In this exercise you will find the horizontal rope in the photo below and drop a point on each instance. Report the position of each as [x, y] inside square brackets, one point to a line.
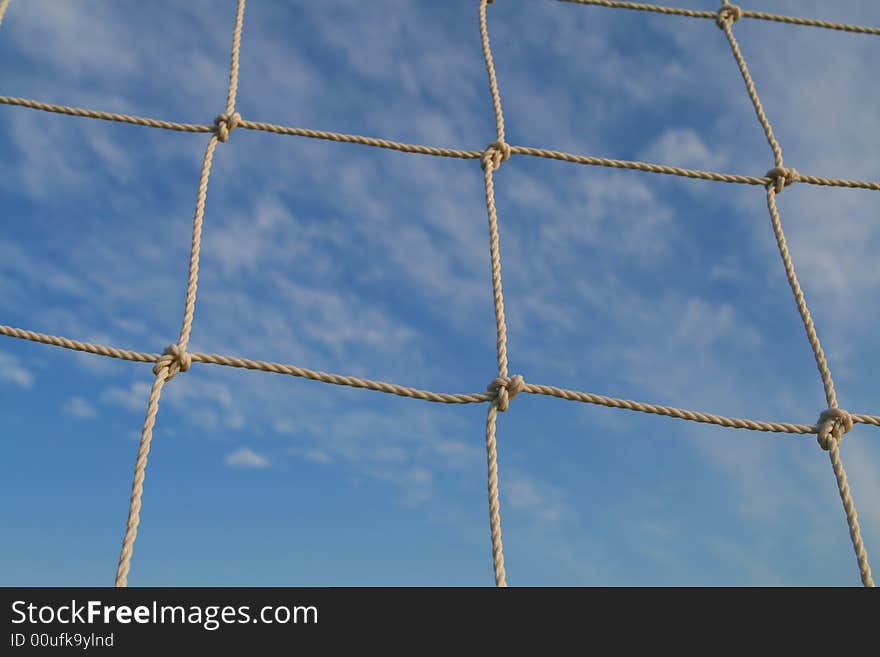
[641, 6]
[358, 139]
[684, 414]
[435, 150]
[246, 363]
[250, 125]
[427, 395]
[669, 411]
[866, 419]
[810, 22]
[105, 116]
[76, 345]
[746, 13]
[686, 173]
[837, 182]
[639, 166]
[338, 379]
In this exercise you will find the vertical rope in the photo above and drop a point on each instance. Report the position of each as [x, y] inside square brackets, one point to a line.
[176, 358]
[494, 498]
[780, 177]
[137, 486]
[230, 120]
[490, 69]
[234, 56]
[497, 152]
[495, 256]
[492, 413]
[195, 249]
[3, 5]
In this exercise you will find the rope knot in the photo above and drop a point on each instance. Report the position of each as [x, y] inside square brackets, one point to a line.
[495, 153]
[225, 124]
[728, 13]
[173, 360]
[782, 177]
[833, 424]
[505, 389]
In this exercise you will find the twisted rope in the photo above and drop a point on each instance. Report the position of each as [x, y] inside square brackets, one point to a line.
[427, 395]
[800, 300]
[362, 140]
[727, 15]
[496, 153]
[175, 358]
[222, 128]
[137, 485]
[852, 517]
[833, 422]
[743, 13]
[104, 116]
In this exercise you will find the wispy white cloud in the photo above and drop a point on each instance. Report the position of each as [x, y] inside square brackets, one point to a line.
[415, 484]
[245, 457]
[132, 398]
[541, 500]
[12, 371]
[80, 408]
[318, 456]
[683, 147]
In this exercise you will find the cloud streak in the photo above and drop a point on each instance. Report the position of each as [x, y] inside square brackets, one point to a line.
[246, 458]
[12, 372]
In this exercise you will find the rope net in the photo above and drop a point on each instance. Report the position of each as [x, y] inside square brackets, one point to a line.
[833, 423]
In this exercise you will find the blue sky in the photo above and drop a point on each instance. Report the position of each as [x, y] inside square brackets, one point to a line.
[374, 263]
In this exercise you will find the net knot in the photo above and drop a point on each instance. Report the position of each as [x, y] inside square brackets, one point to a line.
[832, 425]
[225, 124]
[505, 389]
[495, 153]
[173, 361]
[728, 13]
[781, 177]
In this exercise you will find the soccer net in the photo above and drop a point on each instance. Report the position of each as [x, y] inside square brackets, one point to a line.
[833, 422]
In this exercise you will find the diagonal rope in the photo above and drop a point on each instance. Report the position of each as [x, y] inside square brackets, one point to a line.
[852, 518]
[846, 498]
[727, 15]
[750, 87]
[800, 300]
